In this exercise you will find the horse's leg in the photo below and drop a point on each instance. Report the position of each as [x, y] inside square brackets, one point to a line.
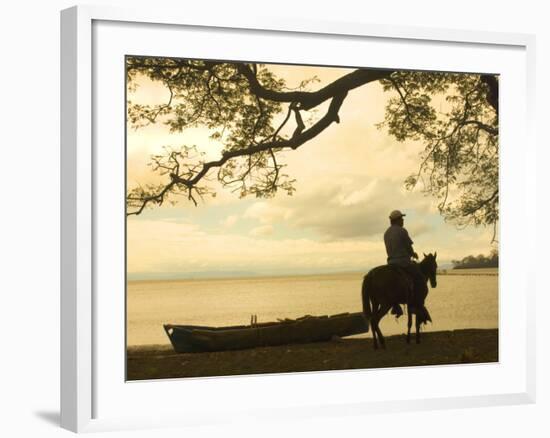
[384, 308]
[374, 324]
[409, 324]
[417, 323]
[374, 336]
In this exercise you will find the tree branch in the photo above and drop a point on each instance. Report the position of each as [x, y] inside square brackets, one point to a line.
[310, 99]
[483, 203]
[293, 143]
[481, 125]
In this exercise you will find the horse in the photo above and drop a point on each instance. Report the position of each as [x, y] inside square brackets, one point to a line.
[387, 286]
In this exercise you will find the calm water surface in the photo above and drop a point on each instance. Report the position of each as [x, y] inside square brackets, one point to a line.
[459, 301]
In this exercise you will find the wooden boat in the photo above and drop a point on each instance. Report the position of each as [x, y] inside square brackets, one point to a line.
[191, 338]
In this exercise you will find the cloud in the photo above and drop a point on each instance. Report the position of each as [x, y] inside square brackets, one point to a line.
[264, 230]
[349, 209]
[161, 246]
[360, 195]
[267, 212]
[229, 221]
[185, 248]
[419, 228]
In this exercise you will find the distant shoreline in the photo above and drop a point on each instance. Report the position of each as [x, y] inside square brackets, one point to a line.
[231, 277]
[470, 272]
[250, 277]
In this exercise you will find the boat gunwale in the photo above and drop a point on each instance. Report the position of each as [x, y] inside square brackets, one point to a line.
[308, 318]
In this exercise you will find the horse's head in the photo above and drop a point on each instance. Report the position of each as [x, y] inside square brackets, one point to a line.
[429, 267]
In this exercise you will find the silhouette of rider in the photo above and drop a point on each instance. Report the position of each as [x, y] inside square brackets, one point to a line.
[400, 253]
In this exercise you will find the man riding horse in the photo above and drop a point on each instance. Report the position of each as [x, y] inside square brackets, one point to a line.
[400, 254]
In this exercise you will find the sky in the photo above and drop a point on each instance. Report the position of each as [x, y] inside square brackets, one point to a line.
[348, 179]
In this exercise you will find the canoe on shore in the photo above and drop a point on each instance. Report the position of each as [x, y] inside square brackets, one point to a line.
[190, 338]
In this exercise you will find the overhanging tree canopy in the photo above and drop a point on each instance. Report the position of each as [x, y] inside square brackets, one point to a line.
[250, 111]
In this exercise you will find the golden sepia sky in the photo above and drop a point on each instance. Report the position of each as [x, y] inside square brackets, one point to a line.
[348, 180]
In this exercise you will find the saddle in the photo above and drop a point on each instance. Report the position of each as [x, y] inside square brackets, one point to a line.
[417, 292]
[407, 276]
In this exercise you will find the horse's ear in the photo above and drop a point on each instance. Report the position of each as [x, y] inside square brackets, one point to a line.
[424, 255]
[435, 255]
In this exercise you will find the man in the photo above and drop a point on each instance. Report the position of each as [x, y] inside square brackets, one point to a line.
[398, 243]
[400, 253]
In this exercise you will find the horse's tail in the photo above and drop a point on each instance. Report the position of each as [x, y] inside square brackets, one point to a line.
[367, 309]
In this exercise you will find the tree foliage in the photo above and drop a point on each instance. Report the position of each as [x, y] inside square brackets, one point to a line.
[255, 116]
[459, 163]
[480, 261]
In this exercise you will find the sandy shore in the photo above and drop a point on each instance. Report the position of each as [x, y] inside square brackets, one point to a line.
[437, 348]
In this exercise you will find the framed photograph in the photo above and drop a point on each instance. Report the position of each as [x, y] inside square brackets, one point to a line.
[283, 218]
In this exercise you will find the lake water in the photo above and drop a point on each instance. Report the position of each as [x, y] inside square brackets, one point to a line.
[459, 301]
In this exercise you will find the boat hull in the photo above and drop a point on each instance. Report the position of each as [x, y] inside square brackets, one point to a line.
[187, 339]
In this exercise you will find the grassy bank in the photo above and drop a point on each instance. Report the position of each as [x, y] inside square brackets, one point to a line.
[437, 348]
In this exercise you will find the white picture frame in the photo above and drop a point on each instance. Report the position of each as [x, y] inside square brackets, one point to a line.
[81, 329]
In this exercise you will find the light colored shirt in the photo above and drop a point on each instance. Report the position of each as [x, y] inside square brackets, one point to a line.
[398, 245]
